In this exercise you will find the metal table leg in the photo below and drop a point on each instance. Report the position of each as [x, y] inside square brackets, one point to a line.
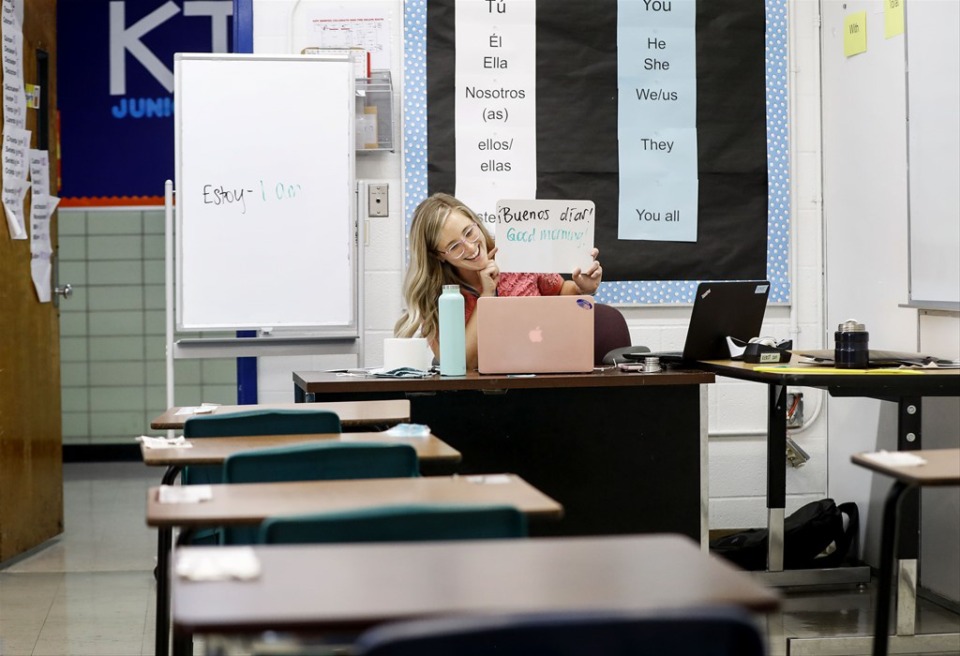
[775, 574]
[162, 639]
[909, 417]
[776, 474]
[888, 549]
[164, 546]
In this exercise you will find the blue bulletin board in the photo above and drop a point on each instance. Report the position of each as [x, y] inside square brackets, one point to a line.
[115, 93]
[417, 156]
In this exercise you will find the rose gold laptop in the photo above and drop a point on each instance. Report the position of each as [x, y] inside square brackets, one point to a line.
[534, 334]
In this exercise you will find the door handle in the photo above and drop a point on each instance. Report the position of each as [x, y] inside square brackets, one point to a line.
[66, 291]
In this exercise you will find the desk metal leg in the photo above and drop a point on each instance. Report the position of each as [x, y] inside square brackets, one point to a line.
[170, 475]
[775, 530]
[775, 574]
[164, 544]
[182, 645]
[888, 549]
[704, 472]
[906, 597]
[776, 474]
[909, 417]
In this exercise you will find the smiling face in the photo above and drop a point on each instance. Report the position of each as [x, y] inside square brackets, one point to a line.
[454, 243]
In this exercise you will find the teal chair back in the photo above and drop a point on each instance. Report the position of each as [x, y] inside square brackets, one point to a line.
[249, 422]
[317, 461]
[262, 422]
[404, 523]
[252, 422]
[321, 461]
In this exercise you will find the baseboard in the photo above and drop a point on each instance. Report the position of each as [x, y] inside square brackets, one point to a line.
[101, 453]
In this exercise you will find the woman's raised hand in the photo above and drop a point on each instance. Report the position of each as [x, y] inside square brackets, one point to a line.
[589, 280]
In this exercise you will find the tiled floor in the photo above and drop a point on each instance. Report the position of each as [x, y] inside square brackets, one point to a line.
[91, 590]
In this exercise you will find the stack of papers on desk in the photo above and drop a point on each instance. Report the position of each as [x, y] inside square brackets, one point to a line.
[828, 369]
[879, 358]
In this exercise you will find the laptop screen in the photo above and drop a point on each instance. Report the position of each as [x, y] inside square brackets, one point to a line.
[733, 308]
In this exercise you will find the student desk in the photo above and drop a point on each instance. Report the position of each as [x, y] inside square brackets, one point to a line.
[623, 452]
[904, 389]
[352, 414]
[942, 468]
[214, 450]
[246, 504]
[433, 454]
[334, 588]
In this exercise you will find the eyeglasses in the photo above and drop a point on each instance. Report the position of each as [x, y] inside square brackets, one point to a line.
[458, 249]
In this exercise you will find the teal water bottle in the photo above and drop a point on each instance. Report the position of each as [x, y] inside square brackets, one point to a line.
[453, 347]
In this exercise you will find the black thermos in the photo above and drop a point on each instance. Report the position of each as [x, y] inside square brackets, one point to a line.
[851, 351]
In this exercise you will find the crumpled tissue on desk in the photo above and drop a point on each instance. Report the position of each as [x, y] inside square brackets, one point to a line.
[178, 442]
[218, 564]
[895, 458]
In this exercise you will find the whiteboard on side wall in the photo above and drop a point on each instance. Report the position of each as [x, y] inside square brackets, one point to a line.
[265, 193]
[933, 104]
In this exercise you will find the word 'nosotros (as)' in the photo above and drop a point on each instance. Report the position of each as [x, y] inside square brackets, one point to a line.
[237, 196]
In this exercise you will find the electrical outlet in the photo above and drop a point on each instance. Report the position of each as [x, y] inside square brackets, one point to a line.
[378, 203]
[794, 409]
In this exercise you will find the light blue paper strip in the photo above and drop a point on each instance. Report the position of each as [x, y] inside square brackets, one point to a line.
[657, 120]
[657, 13]
[659, 210]
[640, 48]
[646, 154]
[650, 93]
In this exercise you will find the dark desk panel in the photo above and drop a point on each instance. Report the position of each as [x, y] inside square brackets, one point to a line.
[621, 452]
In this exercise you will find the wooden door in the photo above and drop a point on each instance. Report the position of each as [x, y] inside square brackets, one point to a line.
[31, 482]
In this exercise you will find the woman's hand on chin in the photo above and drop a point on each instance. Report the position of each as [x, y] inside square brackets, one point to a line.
[490, 275]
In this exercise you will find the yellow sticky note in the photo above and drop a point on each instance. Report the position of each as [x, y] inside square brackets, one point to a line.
[855, 34]
[892, 18]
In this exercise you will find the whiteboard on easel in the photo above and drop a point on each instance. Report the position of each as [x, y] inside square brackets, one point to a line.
[265, 193]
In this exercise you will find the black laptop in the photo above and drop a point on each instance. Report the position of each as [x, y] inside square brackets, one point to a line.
[733, 308]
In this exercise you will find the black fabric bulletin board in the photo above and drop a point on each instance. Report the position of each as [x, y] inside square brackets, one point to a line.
[577, 155]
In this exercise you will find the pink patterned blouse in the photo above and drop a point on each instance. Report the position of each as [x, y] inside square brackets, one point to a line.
[516, 284]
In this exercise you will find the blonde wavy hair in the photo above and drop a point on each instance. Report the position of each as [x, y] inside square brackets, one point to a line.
[427, 274]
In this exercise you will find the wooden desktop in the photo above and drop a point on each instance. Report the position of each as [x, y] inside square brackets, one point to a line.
[334, 588]
[352, 415]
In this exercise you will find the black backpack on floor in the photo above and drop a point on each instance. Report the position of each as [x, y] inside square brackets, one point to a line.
[814, 536]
